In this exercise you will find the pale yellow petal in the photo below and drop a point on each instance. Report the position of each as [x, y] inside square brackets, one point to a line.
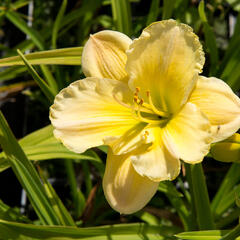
[218, 102]
[104, 55]
[165, 60]
[125, 190]
[89, 110]
[160, 162]
[190, 132]
[131, 140]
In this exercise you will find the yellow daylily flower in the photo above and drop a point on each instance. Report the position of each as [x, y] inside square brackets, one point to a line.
[146, 100]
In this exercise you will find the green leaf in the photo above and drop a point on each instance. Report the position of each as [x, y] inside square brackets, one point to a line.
[15, 18]
[122, 16]
[203, 235]
[169, 188]
[201, 11]
[11, 73]
[50, 79]
[57, 22]
[64, 56]
[26, 174]
[227, 201]
[230, 180]
[201, 198]
[210, 39]
[41, 83]
[59, 209]
[174, 197]
[139, 231]
[233, 234]
[235, 4]
[11, 214]
[228, 218]
[233, 47]
[153, 12]
[77, 195]
[168, 6]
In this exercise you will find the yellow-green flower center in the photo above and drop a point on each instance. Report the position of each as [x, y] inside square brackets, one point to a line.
[147, 111]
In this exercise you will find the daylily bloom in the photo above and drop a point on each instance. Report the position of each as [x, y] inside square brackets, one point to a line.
[145, 99]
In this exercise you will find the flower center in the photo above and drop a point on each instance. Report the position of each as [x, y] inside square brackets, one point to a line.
[147, 111]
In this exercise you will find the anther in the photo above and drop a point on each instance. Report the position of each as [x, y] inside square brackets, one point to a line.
[141, 101]
[137, 89]
[135, 98]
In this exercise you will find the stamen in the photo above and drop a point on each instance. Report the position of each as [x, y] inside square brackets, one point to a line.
[145, 136]
[143, 119]
[121, 103]
[158, 112]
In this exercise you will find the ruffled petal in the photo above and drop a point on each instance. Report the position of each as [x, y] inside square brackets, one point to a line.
[190, 132]
[89, 111]
[165, 60]
[104, 55]
[160, 161]
[125, 190]
[218, 102]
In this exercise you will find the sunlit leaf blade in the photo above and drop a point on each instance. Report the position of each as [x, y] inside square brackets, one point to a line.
[49, 93]
[65, 56]
[139, 231]
[26, 174]
[203, 235]
[42, 145]
[122, 16]
[15, 18]
[60, 210]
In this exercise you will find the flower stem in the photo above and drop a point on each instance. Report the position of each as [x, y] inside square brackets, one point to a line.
[200, 197]
[232, 234]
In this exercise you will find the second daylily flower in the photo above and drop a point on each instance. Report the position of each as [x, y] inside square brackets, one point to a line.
[146, 100]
